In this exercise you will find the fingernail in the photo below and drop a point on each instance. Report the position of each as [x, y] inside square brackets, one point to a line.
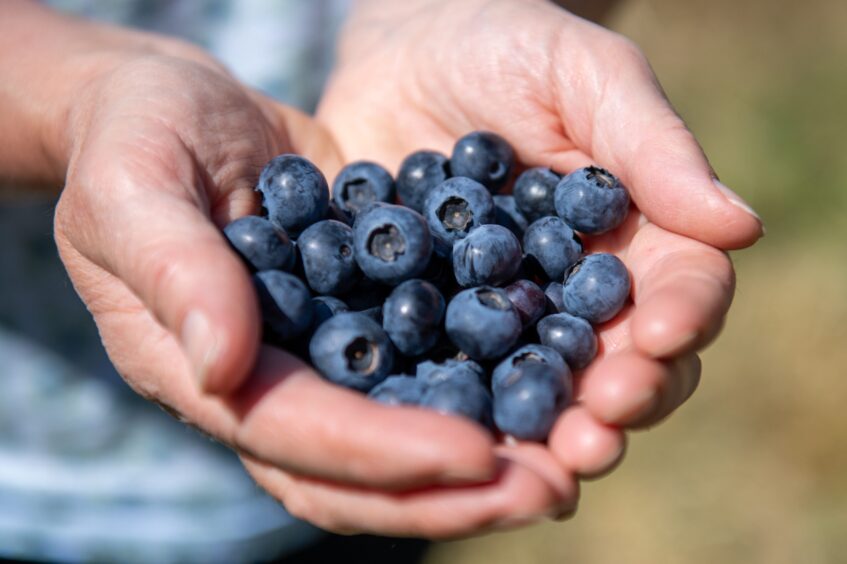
[737, 201]
[676, 345]
[200, 343]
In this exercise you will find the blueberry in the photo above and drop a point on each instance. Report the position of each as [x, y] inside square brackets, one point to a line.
[592, 200]
[553, 245]
[294, 193]
[284, 302]
[460, 397]
[529, 400]
[596, 288]
[508, 215]
[529, 353]
[570, 336]
[392, 243]
[324, 307]
[454, 208]
[490, 254]
[431, 372]
[535, 191]
[412, 316]
[326, 250]
[398, 390]
[482, 322]
[419, 173]
[528, 299]
[352, 350]
[361, 183]
[485, 157]
[260, 244]
[555, 300]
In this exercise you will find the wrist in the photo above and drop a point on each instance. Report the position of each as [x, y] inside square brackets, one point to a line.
[51, 68]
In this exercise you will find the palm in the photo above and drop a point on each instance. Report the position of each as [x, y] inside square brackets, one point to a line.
[399, 88]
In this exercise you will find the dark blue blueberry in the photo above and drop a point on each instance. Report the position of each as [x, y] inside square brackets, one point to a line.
[398, 390]
[460, 397]
[412, 316]
[530, 353]
[508, 215]
[570, 336]
[484, 156]
[285, 303]
[324, 307]
[392, 243]
[352, 350]
[482, 322]
[294, 193]
[555, 300]
[596, 288]
[419, 173]
[592, 200]
[552, 245]
[261, 244]
[529, 400]
[326, 250]
[490, 254]
[431, 372]
[360, 184]
[535, 191]
[454, 208]
[528, 299]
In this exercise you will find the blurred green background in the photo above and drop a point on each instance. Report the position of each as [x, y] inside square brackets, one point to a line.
[754, 468]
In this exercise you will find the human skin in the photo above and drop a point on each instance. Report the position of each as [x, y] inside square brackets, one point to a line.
[158, 147]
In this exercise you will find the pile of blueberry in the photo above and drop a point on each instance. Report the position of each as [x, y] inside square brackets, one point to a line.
[430, 289]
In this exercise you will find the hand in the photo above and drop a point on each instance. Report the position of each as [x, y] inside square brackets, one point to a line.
[565, 93]
[164, 149]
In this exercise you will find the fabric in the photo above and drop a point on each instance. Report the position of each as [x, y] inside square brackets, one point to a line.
[88, 470]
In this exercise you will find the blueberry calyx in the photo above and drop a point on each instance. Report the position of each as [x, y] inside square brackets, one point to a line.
[387, 243]
[492, 299]
[455, 215]
[602, 177]
[362, 355]
[357, 193]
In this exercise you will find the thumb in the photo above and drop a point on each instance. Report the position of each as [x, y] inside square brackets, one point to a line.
[636, 133]
[155, 237]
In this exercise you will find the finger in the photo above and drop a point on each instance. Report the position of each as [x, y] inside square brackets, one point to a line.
[631, 390]
[515, 497]
[683, 377]
[634, 132]
[583, 445]
[540, 460]
[151, 232]
[290, 417]
[683, 290]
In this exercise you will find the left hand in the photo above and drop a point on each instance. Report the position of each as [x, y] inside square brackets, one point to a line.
[565, 93]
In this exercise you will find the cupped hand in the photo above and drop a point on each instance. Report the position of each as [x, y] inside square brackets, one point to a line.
[164, 149]
[566, 93]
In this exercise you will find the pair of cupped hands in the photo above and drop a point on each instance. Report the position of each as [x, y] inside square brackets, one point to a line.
[164, 148]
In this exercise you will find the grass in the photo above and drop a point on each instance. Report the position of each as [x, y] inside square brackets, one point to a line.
[752, 469]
